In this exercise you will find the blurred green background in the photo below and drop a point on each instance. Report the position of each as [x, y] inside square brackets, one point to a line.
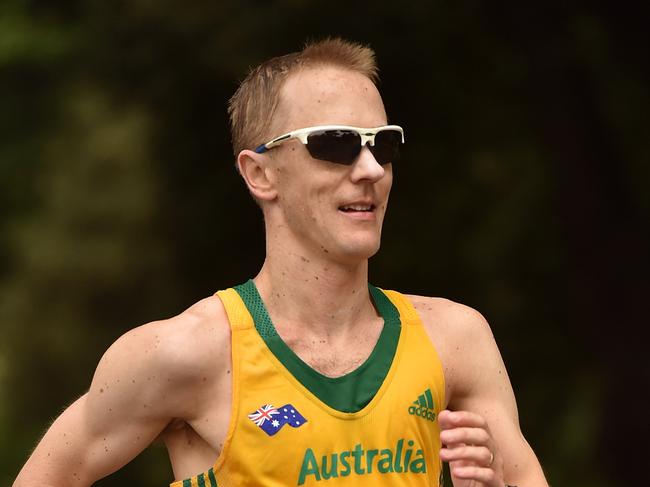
[522, 192]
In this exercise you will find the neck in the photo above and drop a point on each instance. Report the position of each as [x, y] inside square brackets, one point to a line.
[313, 291]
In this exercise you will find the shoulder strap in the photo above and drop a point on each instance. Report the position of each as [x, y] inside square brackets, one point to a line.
[404, 306]
[238, 314]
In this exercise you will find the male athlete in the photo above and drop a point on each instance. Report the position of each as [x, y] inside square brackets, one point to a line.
[305, 375]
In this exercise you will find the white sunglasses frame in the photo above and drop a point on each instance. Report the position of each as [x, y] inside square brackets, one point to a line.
[367, 134]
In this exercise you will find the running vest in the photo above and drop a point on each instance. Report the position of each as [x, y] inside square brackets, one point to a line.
[292, 426]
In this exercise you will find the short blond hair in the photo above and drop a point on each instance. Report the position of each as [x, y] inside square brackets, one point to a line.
[253, 105]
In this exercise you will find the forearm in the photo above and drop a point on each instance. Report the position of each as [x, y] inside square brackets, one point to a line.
[533, 478]
[79, 449]
[488, 449]
[37, 472]
[525, 470]
[59, 458]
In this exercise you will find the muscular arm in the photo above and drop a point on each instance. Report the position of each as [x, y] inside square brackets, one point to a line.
[477, 382]
[140, 385]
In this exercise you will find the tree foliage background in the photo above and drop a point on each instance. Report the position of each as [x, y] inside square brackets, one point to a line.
[522, 192]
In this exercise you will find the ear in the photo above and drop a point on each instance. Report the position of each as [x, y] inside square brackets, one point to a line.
[257, 174]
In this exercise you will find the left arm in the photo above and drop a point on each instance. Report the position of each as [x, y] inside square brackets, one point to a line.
[480, 432]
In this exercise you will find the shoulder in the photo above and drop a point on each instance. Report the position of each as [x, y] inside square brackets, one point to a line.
[178, 342]
[454, 321]
[463, 339]
[167, 359]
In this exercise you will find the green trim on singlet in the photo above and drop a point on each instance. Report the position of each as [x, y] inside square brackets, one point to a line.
[213, 480]
[351, 392]
[201, 480]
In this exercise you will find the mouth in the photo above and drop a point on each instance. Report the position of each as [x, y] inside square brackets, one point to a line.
[357, 208]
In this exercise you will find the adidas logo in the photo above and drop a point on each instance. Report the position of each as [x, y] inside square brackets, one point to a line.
[423, 406]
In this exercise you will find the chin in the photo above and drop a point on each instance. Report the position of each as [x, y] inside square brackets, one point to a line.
[360, 250]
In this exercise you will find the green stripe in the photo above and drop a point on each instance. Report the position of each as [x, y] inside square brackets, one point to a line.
[213, 480]
[187, 483]
[201, 480]
[349, 393]
[429, 398]
[422, 401]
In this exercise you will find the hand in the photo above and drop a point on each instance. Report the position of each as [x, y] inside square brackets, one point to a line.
[470, 450]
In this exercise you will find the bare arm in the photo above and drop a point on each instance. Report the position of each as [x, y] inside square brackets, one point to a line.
[73, 451]
[139, 386]
[484, 420]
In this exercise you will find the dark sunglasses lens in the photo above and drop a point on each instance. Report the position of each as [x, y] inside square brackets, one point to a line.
[386, 148]
[340, 146]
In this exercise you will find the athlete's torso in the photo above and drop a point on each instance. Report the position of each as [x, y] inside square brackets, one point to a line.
[290, 425]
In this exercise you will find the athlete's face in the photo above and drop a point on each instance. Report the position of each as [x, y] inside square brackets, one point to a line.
[332, 208]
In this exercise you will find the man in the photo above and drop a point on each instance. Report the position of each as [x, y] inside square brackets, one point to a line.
[305, 375]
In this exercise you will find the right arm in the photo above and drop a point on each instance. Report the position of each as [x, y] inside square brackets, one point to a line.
[140, 385]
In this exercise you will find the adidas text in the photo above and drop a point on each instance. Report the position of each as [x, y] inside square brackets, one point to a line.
[422, 412]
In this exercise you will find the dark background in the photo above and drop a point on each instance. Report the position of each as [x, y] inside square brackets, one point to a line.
[522, 192]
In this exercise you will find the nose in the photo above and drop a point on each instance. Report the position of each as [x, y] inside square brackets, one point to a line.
[366, 167]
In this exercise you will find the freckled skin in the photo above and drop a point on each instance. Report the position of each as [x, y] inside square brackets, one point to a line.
[171, 379]
[306, 217]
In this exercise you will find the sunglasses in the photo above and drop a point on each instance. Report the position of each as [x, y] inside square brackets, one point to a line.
[342, 144]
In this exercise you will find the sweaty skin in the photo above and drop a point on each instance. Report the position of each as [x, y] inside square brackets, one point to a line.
[171, 379]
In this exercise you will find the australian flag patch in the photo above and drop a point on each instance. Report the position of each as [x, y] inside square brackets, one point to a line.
[271, 419]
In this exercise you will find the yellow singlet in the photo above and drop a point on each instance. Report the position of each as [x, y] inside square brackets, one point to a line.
[292, 426]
